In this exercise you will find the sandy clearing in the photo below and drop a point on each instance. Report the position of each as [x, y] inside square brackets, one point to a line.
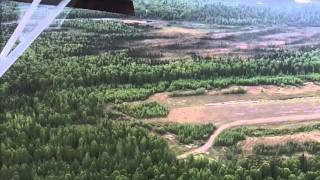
[179, 31]
[274, 120]
[243, 46]
[160, 97]
[134, 21]
[227, 112]
[272, 90]
[264, 92]
[274, 43]
[262, 105]
[250, 142]
[206, 40]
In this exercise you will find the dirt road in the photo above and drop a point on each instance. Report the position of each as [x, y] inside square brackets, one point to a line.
[260, 105]
[258, 121]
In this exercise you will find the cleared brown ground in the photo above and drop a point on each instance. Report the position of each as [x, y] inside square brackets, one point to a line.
[261, 105]
[174, 39]
[180, 39]
[275, 120]
[259, 102]
[250, 142]
[227, 112]
[254, 93]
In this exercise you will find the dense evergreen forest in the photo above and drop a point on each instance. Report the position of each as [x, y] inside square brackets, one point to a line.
[8, 14]
[54, 123]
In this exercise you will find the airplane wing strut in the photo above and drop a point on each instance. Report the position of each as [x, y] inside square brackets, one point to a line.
[8, 56]
[18, 31]
[8, 59]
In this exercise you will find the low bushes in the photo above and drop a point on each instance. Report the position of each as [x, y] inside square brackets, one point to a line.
[236, 90]
[287, 149]
[144, 110]
[197, 92]
[186, 133]
[230, 137]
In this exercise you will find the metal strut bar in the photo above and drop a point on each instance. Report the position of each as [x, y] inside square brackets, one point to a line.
[8, 59]
[21, 26]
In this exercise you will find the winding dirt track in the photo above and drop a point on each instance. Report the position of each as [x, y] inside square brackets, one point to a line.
[258, 121]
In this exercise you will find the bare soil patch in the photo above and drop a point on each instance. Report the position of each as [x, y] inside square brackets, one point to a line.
[308, 88]
[159, 97]
[262, 105]
[259, 121]
[259, 102]
[183, 39]
[179, 31]
[253, 93]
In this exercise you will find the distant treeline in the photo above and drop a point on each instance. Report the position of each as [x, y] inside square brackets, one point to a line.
[120, 69]
[227, 14]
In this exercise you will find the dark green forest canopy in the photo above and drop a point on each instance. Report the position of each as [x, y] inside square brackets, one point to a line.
[7, 15]
[54, 123]
[8, 11]
[235, 12]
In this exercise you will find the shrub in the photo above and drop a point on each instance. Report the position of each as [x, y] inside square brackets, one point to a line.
[237, 90]
[230, 137]
[144, 110]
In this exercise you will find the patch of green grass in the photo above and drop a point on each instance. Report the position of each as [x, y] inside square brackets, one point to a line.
[230, 137]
